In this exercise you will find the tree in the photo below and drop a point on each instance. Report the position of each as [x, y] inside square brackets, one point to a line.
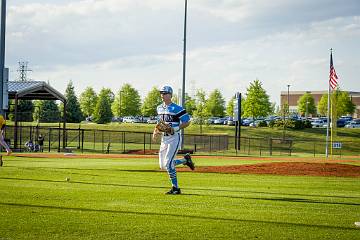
[230, 107]
[109, 94]
[257, 102]
[88, 100]
[46, 111]
[201, 113]
[151, 101]
[130, 101]
[322, 105]
[306, 105]
[25, 111]
[102, 113]
[341, 104]
[190, 104]
[216, 104]
[73, 112]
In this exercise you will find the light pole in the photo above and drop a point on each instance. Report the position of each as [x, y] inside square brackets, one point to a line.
[306, 113]
[2, 52]
[184, 70]
[120, 103]
[288, 87]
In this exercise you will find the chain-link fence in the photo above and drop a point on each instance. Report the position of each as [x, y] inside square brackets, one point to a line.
[109, 141]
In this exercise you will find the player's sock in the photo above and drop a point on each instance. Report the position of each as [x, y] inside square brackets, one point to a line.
[180, 161]
[173, 177]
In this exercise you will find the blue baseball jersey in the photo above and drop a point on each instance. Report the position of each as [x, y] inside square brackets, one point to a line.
[172, 114]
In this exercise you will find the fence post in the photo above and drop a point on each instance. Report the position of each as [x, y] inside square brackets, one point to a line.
[314, 149]
[102, 141]
[79, 138]
[49, 139]
[210, 144]
[94, 139]
[260, 146]
[144, 143]
[150, 140]
[124, 144]
[82, 140]
[59, 139]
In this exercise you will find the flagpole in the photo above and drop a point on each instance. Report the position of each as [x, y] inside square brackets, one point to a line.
[331, 127]
[328, 115]
[328, 123]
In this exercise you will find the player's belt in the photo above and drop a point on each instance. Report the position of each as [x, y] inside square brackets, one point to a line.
[168, 134]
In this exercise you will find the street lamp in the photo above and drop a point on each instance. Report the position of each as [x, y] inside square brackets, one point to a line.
[306, 113]
[288, 87]
[120, 92]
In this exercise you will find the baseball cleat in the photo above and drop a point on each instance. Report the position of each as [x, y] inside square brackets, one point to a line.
[189, 162]
[174, 191]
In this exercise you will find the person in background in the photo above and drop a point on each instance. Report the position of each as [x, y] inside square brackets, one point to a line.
[2, 139]
[41, 142]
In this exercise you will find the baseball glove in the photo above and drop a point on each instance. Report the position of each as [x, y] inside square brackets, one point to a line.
[164, 127]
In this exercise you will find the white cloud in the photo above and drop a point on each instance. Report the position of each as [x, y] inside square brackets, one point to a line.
[230, 43]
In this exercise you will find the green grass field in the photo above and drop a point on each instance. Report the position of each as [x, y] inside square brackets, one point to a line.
[124, 199]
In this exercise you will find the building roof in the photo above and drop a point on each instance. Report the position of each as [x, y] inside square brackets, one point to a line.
[352, 93]
[32, 90]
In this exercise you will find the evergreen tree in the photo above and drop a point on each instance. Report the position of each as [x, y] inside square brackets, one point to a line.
[306, 105]
[151, 101]
[102, 113]
[25, 110]
[46, 111]
[257, 102]
[73, 112]
[88, 100]
[216, 104]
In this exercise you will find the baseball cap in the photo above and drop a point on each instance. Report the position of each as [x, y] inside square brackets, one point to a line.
[166, 89]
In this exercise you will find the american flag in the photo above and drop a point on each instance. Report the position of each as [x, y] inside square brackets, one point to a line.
[333, 77]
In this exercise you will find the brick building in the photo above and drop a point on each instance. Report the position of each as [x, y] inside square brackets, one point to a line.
[294, 96]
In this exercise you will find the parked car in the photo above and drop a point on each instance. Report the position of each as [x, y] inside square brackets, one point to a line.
[229, 121]
[211, 120]
[341, 122]
[220, 121]
[116, 119]
[131, 119]
[317, 123]
[152, 120]
[353, 124]
[247, 121]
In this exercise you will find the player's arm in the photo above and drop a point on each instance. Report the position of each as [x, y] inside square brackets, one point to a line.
[184, 120]
[184, 125]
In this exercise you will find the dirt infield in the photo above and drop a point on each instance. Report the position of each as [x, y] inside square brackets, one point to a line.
[286, 168]
[276, 166]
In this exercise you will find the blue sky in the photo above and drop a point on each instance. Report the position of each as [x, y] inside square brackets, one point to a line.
[230, 43]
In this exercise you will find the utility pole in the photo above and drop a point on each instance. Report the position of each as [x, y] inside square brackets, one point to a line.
[23, 69]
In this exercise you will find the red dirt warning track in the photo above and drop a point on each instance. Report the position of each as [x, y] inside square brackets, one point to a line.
[287, 166]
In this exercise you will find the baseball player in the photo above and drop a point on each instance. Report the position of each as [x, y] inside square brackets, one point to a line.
[177, 118]
[2, 140]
